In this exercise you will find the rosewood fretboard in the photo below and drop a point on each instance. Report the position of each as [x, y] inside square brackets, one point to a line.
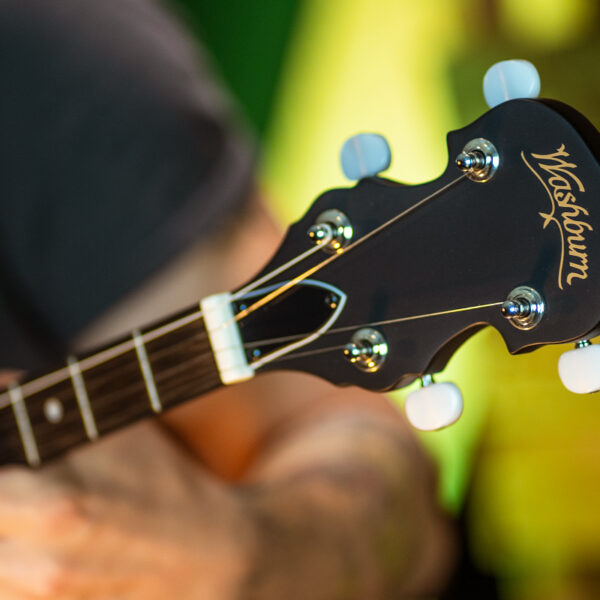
[141, 375]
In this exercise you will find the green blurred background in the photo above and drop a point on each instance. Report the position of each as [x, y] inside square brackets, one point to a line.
[525, 457]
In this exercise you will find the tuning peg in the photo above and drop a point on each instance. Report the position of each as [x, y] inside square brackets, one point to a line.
[434, 406]
[365, 155]
[510, 79]
[579, 369]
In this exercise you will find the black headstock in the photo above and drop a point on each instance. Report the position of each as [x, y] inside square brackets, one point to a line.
[418, 281]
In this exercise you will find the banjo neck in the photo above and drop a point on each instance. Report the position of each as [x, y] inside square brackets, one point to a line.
[139, 376]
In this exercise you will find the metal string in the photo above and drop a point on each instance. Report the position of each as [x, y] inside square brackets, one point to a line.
[73, 432]
[46, 381]
[343, 251]
[450, 311]
[5, 399]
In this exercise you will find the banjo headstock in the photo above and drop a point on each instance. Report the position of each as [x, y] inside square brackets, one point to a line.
[395, 278]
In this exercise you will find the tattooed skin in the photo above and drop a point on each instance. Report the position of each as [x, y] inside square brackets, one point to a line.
[282, 487]
[359, 496]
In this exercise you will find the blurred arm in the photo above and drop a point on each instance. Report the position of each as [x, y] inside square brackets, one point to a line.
[290, 488]
[344, 503]
[341, 496]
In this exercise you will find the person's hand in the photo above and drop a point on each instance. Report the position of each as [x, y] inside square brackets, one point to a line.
[133, 518]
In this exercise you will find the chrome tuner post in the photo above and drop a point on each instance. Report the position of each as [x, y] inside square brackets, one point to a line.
[427, 379]
[336, 222]
[367, 350]
[317, 233]
[479, 160]
[524, 307]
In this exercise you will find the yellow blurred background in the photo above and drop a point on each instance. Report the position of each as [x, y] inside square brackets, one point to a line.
[526, 450]
[525, 456]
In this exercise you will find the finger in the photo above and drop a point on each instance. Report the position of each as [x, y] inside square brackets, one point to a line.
[33, 508]
[8, 377]
[27, 570]
[30, 572]
[7, 592]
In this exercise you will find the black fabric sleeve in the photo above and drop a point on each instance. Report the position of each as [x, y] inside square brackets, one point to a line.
[117, 150]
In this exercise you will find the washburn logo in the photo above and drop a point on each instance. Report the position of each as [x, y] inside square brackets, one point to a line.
[555, 173]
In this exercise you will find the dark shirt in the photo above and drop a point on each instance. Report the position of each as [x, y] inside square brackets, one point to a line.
[116, 152]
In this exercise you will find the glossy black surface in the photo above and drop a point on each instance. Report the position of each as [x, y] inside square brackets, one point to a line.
[470, 245]
[286, 319]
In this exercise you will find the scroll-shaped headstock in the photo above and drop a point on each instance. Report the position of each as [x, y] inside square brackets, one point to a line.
[508, 237]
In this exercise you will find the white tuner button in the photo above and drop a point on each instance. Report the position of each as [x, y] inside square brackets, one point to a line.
[510, 79]
[579, 369]
[365, 155]
[434, 406]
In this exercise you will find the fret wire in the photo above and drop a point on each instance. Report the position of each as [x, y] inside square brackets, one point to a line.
[155, 334]
[24, 425]
[25, 386]
[343, 251]
[109, 353]
[70, 432]
[49, 379]
[119, 409]
[146, 369]
[183, 377]
[185, 369]
[68, 436]
[82, 398]
[167, 350]
[112, 405]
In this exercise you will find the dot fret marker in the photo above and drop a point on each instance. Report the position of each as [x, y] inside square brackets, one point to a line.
[53, 410]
